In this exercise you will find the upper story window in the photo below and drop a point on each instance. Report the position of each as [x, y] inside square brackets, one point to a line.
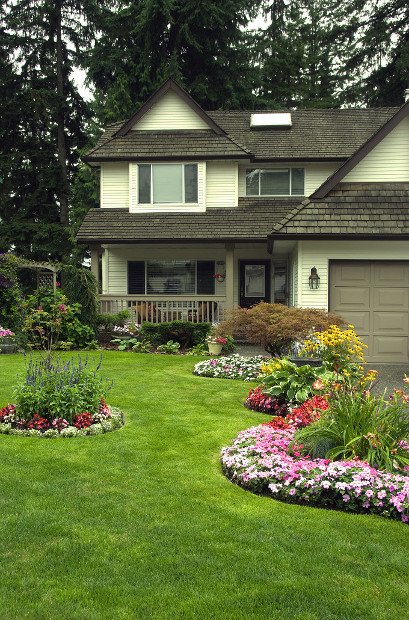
[167, 184]
[275, 182]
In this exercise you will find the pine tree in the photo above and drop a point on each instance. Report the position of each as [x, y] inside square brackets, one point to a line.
[45, 41]
[297, 54]
[200, 43]
[375, 51]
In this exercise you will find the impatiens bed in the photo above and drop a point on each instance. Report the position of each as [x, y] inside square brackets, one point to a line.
[231, 367]
[262, 460]
[105, 420]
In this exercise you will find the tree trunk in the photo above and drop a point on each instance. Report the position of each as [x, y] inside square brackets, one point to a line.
[61, 144]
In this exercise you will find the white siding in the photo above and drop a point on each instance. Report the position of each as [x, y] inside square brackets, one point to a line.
[221, 184]
[388, 161]
[315, 174]
[170, 112]
[115, 186]
[162, 208]
[319, 253]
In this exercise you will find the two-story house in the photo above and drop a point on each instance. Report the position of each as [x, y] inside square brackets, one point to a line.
[204, 211]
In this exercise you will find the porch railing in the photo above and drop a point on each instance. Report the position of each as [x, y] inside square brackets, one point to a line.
[162, 310]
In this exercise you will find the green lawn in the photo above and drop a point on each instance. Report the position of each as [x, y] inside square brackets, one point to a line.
[140, 523]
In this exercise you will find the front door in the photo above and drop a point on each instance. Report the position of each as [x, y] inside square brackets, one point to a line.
[254, 282]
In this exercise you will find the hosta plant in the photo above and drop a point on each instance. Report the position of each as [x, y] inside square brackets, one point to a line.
[295, 383]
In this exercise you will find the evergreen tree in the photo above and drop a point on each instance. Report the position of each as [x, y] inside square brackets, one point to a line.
[46, 39]
[375, 51]
[201, 44]
[297, 54]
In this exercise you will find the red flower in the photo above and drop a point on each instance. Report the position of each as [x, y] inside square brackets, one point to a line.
[83, 420]
[7, 410]
[38, 423]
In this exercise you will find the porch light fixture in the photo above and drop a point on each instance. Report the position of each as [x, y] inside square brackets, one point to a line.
[314, 279]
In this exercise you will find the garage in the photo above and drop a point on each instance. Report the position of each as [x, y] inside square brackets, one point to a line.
[374, 297]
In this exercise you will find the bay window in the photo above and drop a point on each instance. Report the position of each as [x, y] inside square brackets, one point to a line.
[167, 184]
[171, 277]
[275, 182]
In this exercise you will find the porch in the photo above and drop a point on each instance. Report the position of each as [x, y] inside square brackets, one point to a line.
[190, 282]
[162, 310]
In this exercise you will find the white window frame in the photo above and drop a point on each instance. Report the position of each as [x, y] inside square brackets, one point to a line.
[195, 260]
[289, 170]
[183, 164]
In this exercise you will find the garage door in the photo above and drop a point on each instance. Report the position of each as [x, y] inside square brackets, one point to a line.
[374, 297]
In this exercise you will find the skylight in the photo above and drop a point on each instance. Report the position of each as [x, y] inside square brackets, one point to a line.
[271, 119]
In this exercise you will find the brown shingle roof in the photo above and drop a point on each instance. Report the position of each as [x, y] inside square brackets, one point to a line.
[148, 145]
[251, 220]
[315, 134]
[353, 209]
[327, 134]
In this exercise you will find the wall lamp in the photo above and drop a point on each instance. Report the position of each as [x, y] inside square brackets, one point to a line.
[314, 279]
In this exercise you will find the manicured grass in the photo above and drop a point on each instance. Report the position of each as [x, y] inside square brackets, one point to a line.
[140, 523]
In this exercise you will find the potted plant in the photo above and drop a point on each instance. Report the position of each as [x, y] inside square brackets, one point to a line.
[215, 344]
[7, 344]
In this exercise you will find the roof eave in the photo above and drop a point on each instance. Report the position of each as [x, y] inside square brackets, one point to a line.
[93, 241]
[339, 236]
[195, 157]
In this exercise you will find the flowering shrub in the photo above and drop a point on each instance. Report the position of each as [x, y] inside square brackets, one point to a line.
[6, 333]
[106, 419]
[258, 401]
[340, 350]
[231, 367]
[261, 460]
[49, 320]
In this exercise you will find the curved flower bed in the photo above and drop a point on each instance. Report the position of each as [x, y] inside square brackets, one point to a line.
[259, 460]
[106, 420]
[231, 367]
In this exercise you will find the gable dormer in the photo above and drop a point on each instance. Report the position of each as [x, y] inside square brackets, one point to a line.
[170, 112]
[170, 108]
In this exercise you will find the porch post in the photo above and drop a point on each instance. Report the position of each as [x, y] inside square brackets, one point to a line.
[229, 276]
[95, 252]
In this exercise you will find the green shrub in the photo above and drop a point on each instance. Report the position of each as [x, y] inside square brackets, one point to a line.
[56, 388]
[80, 287]
[10, 292]
[108, 321]
[187, 334]
[294, 383]
[275, 326]
[361, 426]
